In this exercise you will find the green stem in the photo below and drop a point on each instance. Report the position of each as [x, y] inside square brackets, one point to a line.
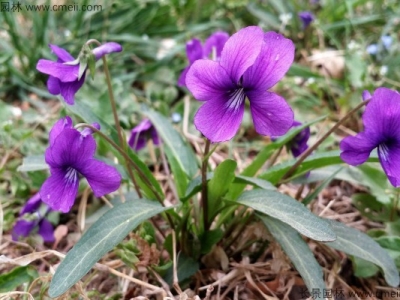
[204, 191]
[306, 153]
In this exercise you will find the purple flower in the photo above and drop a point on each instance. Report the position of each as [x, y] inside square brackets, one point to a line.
[381, 120]
[299, 143]
[195, 51]
[31, 217]
[306, 18]
[141, 133]
[251, 62]
[64, 78]
[69, 155]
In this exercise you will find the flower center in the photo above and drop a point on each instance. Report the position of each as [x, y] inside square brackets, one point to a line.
[236, 98]
[71, 175]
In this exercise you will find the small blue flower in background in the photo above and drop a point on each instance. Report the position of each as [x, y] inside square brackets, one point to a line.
[195, 51]
[33, 216]
[386, 41]
[306, 18]
[372, 49]
[64, 77]
[176, 117]
[69, 155]
[381, 120]
[141, 133]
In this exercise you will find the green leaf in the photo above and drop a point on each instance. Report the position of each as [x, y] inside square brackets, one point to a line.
[187, 267]
[17, 276]
[376, 180]
[195, 186]
[265, 154]
[180, 178]
[101, 237]
[363, 268]
[264, 16]
[218, 186]
[354, 242]
[371, 208]
[183, 153]
[33, 163]
[254, 181]
[319, 189]
[315, 161]
[298, 252]
[289, 211]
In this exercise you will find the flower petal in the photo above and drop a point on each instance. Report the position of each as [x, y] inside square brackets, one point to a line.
[60, 189]
[356, 149]
[106, 48]
[382, 114]
[66, 73]
[32, 205]
[69, 89]
[22, 228]
[70, 149]
[53, 85]
[241, 51]
[389, 156]
[271, 114]
[137, 141]
[207, 80]
[219, 119]
[61, 53]
[102, 178]
[217, 40]
[274, 61]
[194, 50]
[58, 127]
[182, 77]
[46, 230]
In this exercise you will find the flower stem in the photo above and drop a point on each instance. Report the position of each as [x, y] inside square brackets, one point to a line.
[129, 161]
[204, 191]
[306, 153]
[122, 141]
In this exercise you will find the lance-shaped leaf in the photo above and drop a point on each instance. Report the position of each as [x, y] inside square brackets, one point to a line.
[101, 237]
[298, 252]
[289, 211]
[354, 242]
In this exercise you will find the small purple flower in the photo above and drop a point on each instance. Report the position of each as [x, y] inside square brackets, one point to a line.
[195, 51]
[69, 155]
[299, 143]
[64, 78]
[251, 62]
[381, 120]
[141, 133]
[366, 95]
[31, 217]
[306, 18]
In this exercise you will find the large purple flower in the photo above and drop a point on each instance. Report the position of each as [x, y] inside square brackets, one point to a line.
[64, 78]
[69, 155]
[141, 133]
[32, 216]
[381, 120]
[251, 62]
[299, 143]
[195, 51]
